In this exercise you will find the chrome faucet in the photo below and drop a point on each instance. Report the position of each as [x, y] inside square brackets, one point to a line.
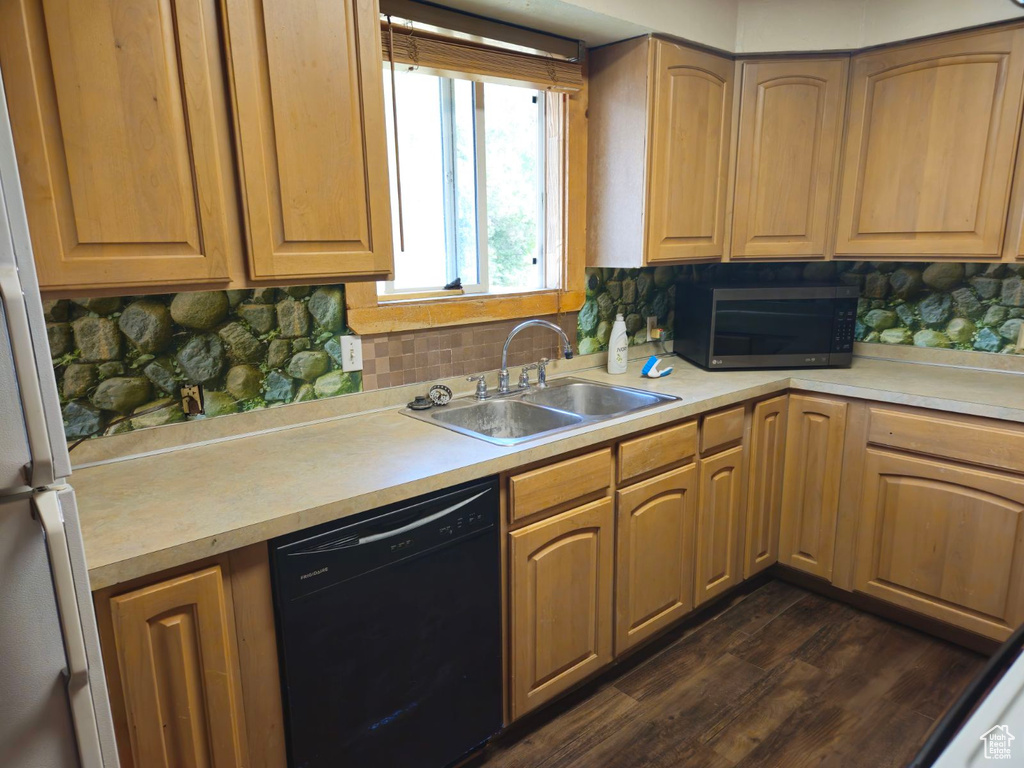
[503, 388]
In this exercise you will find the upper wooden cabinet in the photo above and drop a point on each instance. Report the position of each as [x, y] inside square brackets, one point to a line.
[119, 113]
[930, 147]
[689, 157]
[310, 118]
[660, 137]
[790, 125]
[810, 491]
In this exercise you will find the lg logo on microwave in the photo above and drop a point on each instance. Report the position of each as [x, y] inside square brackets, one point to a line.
[716, 362]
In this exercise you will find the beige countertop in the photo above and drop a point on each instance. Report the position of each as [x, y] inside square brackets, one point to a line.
[142, 515]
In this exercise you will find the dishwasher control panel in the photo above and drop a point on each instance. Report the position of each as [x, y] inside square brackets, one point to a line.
[331, 554]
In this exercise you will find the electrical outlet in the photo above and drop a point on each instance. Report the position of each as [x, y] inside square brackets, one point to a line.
[192, 399]
[351, 353]
[653, 331]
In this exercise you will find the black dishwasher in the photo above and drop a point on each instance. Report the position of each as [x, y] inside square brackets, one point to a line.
[389, 629]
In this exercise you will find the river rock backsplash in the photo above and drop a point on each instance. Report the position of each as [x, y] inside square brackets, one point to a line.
[977, 307]
[128, 357]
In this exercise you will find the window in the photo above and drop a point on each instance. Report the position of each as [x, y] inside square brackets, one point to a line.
[471, 174]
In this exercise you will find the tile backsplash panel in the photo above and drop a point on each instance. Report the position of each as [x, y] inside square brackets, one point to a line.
[978, 307]
[128, 357]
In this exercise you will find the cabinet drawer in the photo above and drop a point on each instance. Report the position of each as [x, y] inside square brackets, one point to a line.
[722, 428]
[986, 442]
[559, 484]
[657, 450]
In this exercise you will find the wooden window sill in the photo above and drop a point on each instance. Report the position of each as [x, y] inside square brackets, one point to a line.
[369, 315]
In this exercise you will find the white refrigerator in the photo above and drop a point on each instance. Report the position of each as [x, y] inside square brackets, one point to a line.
[54, 711]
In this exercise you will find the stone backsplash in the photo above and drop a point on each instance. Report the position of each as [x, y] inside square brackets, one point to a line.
[949, 305]
[125, 357]
[128, 357]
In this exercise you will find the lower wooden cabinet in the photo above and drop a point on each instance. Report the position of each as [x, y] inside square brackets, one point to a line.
[944, 540]
[719, 561]
[815, 435]
[561, 575]
[179, 673]
[764, 485]
[654, 561]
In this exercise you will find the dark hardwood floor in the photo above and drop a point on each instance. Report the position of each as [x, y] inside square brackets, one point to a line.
[781, 678]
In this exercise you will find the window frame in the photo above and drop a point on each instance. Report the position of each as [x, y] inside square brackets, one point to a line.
[482, 285]
[565, 139]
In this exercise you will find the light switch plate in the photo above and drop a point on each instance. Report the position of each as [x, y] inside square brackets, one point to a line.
[652, 327]
[351, 353]
[1020, 339]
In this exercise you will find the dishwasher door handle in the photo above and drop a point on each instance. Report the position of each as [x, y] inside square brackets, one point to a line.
[350, 544]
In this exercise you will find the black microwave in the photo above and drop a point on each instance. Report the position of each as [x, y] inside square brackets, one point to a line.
[730, 327]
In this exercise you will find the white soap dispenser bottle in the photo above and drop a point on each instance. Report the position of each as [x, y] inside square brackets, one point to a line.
[618, 347]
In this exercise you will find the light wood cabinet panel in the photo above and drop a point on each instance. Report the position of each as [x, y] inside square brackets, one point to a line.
[719, 548]
[561, 572]
[790, 126]
[718, 430]
[655, 451]
[943, 540]
[930, 146]
[810, 489]
[310, 118]
[559, 485]
[654, 562]
[764, 485]
[179, 673]
[119, 114]
[691, 136]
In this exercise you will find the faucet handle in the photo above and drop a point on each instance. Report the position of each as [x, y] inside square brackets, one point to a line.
[481, 386]
[524, 375]
[542, 372]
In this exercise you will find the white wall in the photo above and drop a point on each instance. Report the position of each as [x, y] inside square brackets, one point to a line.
[709, 22]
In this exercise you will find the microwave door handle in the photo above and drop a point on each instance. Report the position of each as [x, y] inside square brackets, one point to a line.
[83, 712]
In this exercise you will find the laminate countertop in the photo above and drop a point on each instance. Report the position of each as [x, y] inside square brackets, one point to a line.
[143, 515]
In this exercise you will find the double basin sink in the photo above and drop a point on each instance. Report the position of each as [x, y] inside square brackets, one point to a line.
[562, 405]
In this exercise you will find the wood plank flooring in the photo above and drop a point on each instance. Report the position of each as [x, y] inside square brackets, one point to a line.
[781, 678]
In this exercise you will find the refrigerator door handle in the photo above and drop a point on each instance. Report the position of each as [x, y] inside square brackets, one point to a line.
[40, 472]
[83, 712]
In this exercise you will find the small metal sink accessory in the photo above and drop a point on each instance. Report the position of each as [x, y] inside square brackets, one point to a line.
[530, 414]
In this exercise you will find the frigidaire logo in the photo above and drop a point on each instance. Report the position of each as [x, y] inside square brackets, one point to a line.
[317, 572]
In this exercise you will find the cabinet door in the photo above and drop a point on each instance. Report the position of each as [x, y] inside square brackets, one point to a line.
[561, 594]
[719, 562]
[310, 112]
[810, 486]
[120, 125]
[791, 121]
[943, 540]
[691, 132]
[930, 145]
[654, 564]
[179, 673]
[764, 485]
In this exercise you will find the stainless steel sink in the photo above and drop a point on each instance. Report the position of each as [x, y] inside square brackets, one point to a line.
[505, 421]
[537, 412]
[589, 399]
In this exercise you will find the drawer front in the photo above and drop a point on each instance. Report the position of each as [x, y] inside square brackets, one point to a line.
[986, 442]
[559, 484]
[721, 429]
[655, 451]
